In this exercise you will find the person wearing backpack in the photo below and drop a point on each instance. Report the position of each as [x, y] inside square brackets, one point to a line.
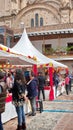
[2, 97]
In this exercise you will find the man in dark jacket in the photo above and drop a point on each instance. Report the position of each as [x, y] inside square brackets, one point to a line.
[32, 93]
[41, 84]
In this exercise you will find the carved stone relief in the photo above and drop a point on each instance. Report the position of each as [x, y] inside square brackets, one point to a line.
[71, 16]
[65, 16]
[30, 1]
[65, 3]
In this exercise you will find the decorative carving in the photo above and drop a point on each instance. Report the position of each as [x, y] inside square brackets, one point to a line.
[65, 4]
[30, 1]
[15, 1]
[65, 16]
[14, 12]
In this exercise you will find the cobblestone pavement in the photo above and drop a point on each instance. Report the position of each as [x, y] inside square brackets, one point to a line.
[57, 115]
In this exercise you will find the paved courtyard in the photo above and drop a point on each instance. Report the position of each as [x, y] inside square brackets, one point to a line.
[57, 115]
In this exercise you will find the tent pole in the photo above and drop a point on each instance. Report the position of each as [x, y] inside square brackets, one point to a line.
[34, 69]
[50, 71]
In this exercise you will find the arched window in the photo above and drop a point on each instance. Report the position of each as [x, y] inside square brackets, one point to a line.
[41, 21]
[32, 22]
[36, 20]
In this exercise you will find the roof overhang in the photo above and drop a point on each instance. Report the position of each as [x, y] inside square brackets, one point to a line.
[49, 32]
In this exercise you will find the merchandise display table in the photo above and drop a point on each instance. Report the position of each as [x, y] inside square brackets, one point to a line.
[47, 91]
[10, 111]
[61, 89]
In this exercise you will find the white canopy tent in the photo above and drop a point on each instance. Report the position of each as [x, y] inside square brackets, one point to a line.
[15, 58]
[25, 47]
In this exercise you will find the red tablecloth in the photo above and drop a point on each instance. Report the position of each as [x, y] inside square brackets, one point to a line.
[46, 87]
[9, 98]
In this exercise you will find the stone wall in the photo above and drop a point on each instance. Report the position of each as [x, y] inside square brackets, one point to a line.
[53, 12]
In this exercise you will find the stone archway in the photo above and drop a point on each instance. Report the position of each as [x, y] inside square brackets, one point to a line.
[33, 8]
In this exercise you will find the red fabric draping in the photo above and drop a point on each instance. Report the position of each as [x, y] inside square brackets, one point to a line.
[67, 71]
[34, 69]
[51, 76]
[8, 50]
[51, 94]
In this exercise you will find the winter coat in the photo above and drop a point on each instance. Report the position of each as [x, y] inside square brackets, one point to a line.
[32, 88]
[17, 91]
[41, 82]
[56, 79]
[2, 96]
[67, 79]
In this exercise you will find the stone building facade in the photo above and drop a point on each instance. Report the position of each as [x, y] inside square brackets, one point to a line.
[34, 13]
[40, 16]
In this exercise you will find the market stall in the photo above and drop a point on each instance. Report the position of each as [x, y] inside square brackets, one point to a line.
[12, 61]
[10, 111]
[25, 51]
[25, 47]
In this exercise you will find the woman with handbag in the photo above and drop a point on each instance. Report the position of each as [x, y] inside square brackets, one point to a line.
[19, 97]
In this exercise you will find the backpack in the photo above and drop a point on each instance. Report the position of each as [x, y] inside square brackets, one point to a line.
[2, 99]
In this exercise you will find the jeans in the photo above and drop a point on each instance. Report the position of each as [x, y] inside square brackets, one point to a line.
[1, 126]
[70, 85]
[43, 93]
[56, 87]
[33, 104]
[67, 89]
[21, 114]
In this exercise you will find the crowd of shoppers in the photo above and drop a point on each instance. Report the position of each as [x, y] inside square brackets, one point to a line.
[15, 83]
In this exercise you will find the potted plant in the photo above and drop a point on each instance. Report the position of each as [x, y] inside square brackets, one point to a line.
[69, 50]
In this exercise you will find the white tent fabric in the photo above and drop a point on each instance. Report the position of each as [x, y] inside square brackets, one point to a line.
[25, 47]
[7, 55]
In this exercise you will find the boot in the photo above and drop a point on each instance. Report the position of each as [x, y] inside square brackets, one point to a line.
[23, 126]
[19, 127]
